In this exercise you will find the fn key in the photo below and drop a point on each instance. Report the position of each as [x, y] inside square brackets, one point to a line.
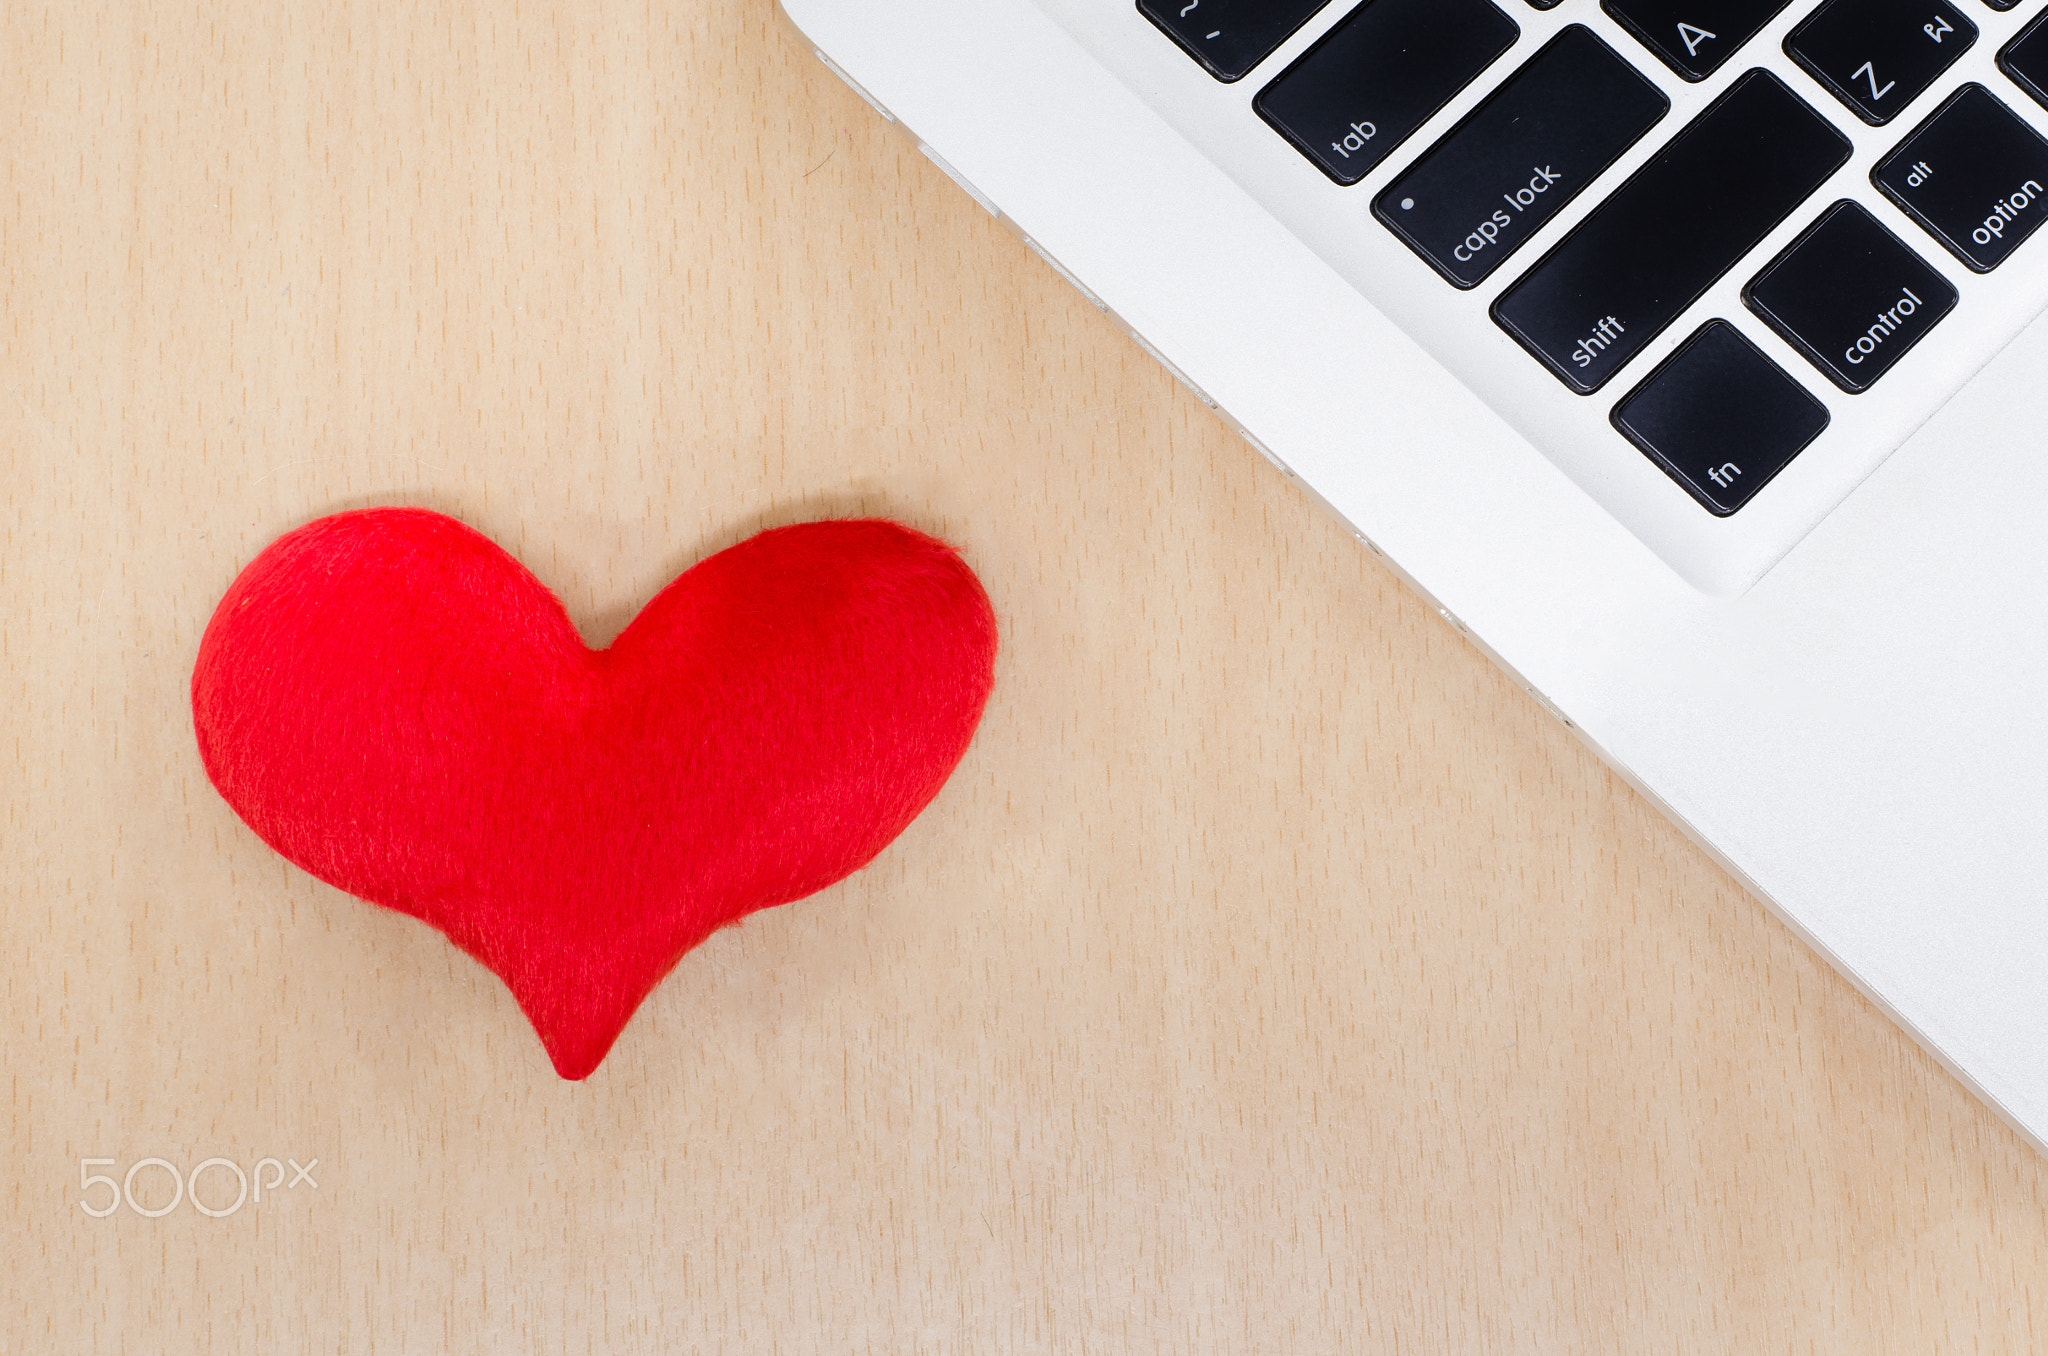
[1720, 418]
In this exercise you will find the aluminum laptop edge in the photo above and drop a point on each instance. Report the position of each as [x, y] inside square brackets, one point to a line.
[1859, 733]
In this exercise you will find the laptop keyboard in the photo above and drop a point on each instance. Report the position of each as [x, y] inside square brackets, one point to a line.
[1851, 296]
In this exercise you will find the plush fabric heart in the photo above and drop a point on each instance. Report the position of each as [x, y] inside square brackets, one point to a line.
[397, 706]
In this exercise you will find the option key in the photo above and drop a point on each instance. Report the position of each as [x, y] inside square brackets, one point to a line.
[1972, 174]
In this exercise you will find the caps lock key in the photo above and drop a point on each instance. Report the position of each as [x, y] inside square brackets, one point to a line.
[1521, 157]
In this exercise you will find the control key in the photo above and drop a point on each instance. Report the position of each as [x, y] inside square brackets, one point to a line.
[1851, 297]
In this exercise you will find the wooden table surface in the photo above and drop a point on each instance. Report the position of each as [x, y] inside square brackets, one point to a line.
[1273, 976]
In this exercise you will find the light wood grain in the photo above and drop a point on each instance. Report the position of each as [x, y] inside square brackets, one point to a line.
[1273, 976]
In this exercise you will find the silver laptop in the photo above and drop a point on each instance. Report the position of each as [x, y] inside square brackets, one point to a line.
[1683, 352]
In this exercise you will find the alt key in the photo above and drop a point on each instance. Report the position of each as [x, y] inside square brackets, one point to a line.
[1973, 175]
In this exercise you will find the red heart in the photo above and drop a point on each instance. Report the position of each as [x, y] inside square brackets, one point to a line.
[399, 707]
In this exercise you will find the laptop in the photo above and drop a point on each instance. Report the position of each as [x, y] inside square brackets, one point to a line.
[1685, 354]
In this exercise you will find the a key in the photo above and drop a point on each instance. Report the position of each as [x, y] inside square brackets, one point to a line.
[1524, 154]
[1693, 37]
[1851, 296]
[1229, 37]
[2025, 59]
[1664, 237]
[1378, 75]
[1721, 418]
[1972, 175]
[1877, 56]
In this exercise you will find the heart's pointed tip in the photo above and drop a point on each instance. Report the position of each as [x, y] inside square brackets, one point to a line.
[576, 1058]
[577, 1007]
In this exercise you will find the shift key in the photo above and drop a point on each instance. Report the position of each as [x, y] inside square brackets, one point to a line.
[1669, 233]
[1521, 157]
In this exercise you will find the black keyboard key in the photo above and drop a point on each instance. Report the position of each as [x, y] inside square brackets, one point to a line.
[1720, 418]
[2025, 59]
[1877, 56]
[1378, 75]
[1851, 297]
[1229, 37]
[1694, 37]
[1521, 156]
[1972, 175]
[1679, 223]
[2001, 5]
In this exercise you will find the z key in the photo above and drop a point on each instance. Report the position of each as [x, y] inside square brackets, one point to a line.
[1877, 56]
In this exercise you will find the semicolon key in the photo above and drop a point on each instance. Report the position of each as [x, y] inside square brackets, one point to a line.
[2025, 60]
